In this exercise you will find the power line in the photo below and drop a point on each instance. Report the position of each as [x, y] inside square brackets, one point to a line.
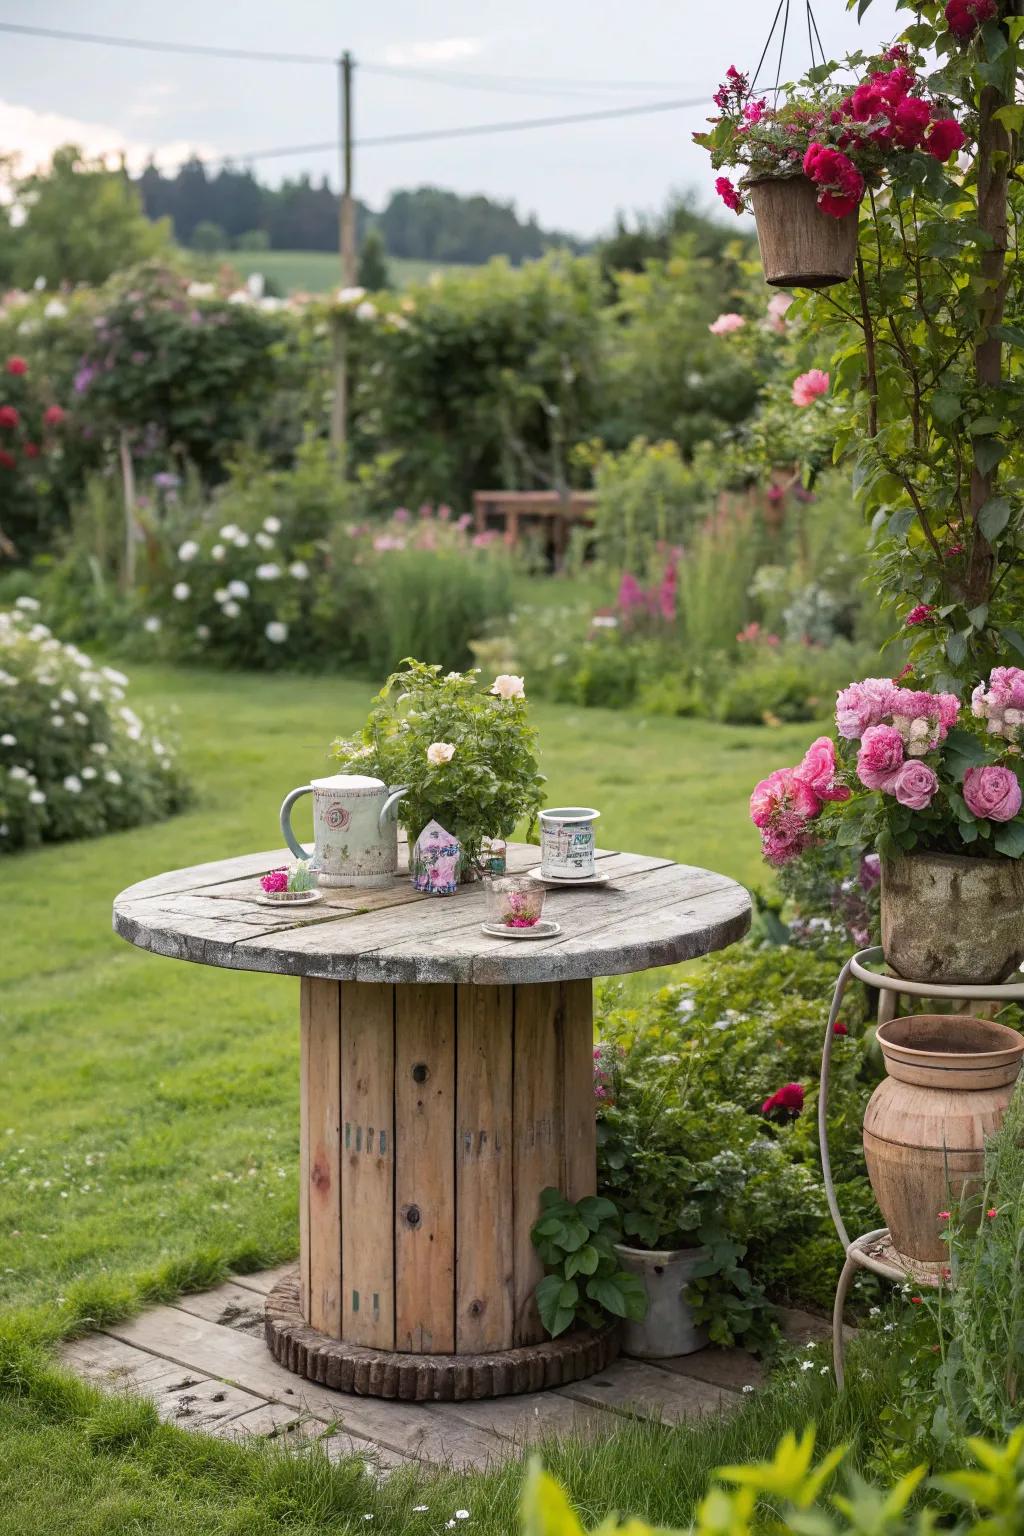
[513, 84]
[467, 131]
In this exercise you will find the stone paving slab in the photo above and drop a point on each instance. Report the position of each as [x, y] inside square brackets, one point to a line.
[204, 1364]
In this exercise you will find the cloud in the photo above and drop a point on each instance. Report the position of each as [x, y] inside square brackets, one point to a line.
[443, 50]
[33, 136]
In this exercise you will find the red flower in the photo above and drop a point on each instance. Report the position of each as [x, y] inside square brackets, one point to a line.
[921, 614]
[866, 102]
[917, 1301]
[841, 184]
[839, 1028]
[17, 365]
[9, 416]
[945, 138]
[963, 17]
[729, 195]
[31, 450]
[7, 460]
[54, 415]
[910, 120]
[895, 84]
[789, 1100]
[991, 1213]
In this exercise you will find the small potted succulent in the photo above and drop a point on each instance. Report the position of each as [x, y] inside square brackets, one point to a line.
[808, 160]
[938, 788]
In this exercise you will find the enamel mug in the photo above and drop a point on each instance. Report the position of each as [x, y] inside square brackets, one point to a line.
[355, 829]
[567, 842]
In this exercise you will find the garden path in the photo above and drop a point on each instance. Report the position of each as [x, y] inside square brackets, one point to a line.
[204, 1363]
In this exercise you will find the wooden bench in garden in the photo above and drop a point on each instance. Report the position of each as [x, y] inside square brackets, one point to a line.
[553, 516]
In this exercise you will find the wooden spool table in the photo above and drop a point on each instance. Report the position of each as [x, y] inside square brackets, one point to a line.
[446, 1079]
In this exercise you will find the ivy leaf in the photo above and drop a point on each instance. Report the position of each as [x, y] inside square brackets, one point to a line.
[993, 517]
[1010, 839]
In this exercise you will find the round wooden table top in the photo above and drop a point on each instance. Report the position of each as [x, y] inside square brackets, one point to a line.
[650, 912]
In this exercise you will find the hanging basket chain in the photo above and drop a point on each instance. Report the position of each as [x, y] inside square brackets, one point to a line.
[813, 38]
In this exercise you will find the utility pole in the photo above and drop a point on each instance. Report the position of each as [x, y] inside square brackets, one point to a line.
[346, 250]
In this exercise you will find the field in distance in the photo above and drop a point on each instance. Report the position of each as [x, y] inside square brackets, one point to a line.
[318, 271]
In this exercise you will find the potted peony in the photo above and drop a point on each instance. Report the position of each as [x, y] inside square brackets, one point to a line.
[466, 753]
[937, 787]
[807, 162]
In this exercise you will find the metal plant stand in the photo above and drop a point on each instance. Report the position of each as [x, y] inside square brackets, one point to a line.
[874, 1250]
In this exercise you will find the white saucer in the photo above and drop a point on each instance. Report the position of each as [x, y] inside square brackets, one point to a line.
[544, 929]
[302, 899]
[554, 881]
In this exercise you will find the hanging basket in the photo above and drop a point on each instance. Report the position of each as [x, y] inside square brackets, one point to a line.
[801, 247]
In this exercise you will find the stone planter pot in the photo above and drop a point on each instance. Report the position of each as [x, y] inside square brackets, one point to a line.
[949, 919]
[801, 247]
[669, 1328]
[950, 1079]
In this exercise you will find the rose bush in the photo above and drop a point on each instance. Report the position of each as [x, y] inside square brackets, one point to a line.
[75, 759]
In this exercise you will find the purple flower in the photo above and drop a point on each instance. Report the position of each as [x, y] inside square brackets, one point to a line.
[83, 378]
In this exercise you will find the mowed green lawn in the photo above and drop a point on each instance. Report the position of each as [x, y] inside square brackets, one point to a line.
[319, 271]
[149, 1115]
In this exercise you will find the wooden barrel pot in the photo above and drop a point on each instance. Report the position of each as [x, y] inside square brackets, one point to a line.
[950, 1079]
[801, 247]
[948, 918]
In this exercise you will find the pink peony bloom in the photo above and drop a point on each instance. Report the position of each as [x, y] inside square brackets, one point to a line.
[992, 793]
[915, 784]
[808, 386]
[818, 771]
[880, 757]
[726, 324]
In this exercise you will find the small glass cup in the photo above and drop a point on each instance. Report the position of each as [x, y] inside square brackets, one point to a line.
[514, 901]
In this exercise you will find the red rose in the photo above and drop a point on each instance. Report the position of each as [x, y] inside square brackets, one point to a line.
[9, 417]
[964, 17]
[894, 85]
[17, 365]
[866, 102]
[31, 450]
[788, 1100]
[841, 184]
[54, 415]
[7, 460]
[729, 195]
[839, 1028]
[910, 120]
[945, 138]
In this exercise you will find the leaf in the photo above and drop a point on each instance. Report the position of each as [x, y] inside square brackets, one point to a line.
[545, 1510]
[956, 649]
[553, 1316]
[901, 522]
[1014, 636]
[987, 453]
[946, 406]
[608, 1294]
[978, 615]
[983, 424]
[594, 1210]
[583, 1262]
[994, 516]
[1010, 333]
[1009, 840]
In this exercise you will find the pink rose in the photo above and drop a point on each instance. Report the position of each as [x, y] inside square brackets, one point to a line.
[818, 771]
[725, 324]
[808, 386]
[880, 757]
[992, 793]
[782, 791]
[915, 785]
[863, 704]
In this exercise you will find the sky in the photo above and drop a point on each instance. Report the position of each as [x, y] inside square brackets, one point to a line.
[463, 62]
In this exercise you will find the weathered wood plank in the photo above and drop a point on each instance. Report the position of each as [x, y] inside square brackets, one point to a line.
[641, 1390]
[536, 1138]
[368, 1163]
[428, 1432]
[229, 1304]
[425, 1169]
[305, 1030]
[579, 1175]
[732, 1369]
[322, 1022]
[264, 1280]
[533, 1416]
[483, 1170]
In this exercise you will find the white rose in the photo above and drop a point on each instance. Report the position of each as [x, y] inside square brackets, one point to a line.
[218, 552]
[112, 776]
[241, 541]
[272, 524]
[507, 686]
[269, 572]
[276, 632]
[440, 752]
[112, 675]
[188, 551]
[55, 310]
[202, 631]
[36, 797]
[73, 784]
[7, 740]
[27, 605]
[100, 748]
[89, 773]
[366, 311]
[229, 531]
[152, 624]
[350, 295]
[231, 609]
[299, 569]
[181, 591]
[221, 595]
[238, 588]
[264, 541]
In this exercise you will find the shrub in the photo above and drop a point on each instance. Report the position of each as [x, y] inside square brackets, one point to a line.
[31, 433]
[75, 760]
[647, 502]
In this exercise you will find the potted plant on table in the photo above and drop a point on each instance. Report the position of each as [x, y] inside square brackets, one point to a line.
[808, 160]
[937, 788]
[466, 753]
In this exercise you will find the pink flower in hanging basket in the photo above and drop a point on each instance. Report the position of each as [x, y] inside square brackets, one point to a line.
[808, 386]
[729, 195]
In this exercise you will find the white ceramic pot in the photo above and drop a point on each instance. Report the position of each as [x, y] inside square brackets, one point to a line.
[669, 1328]
[567, 842]
[355, 829]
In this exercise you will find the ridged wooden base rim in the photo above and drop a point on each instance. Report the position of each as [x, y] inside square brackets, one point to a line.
[427, 1378]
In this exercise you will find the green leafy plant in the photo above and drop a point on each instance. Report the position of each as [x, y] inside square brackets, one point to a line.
[466, 754]
[584, 1281]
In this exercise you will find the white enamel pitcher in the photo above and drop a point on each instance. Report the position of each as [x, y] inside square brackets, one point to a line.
[355, 829]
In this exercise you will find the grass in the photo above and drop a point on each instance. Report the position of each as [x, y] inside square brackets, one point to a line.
[319, 271]
[148, 1129]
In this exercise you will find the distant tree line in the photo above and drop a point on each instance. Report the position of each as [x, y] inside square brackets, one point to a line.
[232, 209]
